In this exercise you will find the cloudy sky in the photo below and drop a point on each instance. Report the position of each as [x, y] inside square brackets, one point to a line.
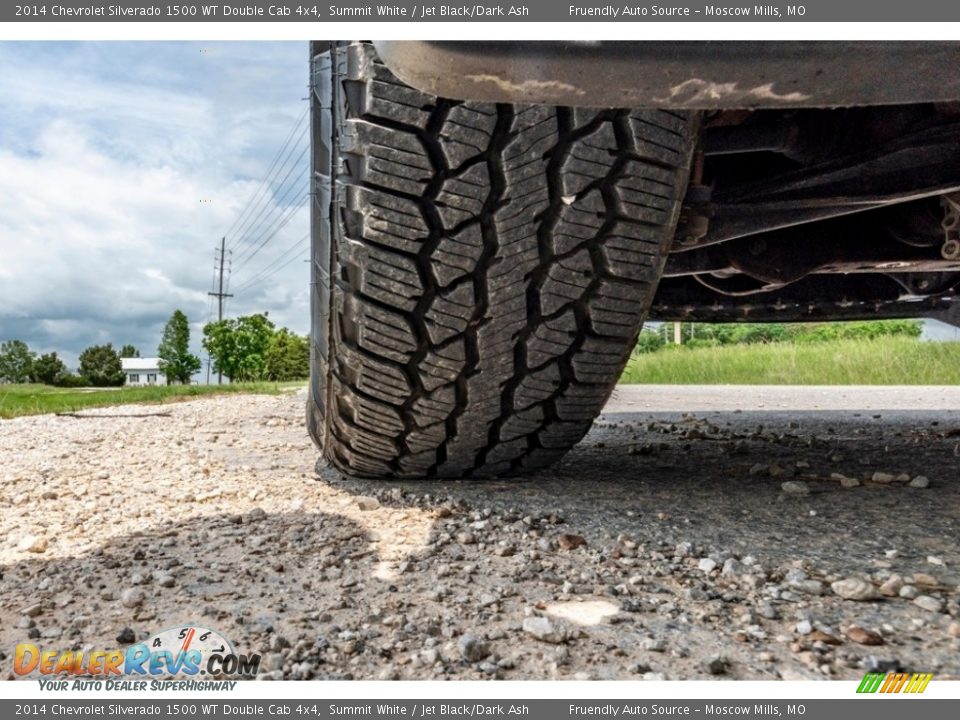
[122, 165]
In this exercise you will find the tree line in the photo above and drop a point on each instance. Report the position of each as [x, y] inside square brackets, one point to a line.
[248, 348]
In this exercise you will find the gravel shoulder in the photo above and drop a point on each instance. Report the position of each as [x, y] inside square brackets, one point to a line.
[742, 533]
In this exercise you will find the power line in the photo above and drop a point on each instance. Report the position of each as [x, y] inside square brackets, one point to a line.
[269, 275]
[276, 179]
[259, 227]
[286, 253]
[288, 215]
[265, 182]
[263, 216]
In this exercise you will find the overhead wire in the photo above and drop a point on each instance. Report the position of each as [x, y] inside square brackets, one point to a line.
[283, 255]
[265, 183]
[267, 276]
[261, 228]
[270, 208]
[288, 214]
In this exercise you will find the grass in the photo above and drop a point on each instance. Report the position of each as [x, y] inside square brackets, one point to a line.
[881, 361]
[17, 400]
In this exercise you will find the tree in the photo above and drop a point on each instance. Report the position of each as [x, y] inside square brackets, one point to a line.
[101, 366]
[238, 347]
[15, 361]
[48, 369]
[287, 357]
[129, 351]
[176, 362]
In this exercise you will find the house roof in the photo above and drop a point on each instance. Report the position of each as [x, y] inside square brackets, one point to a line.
[141, 364]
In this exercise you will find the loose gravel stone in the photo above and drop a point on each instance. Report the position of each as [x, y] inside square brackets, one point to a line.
[862, 636]
[716, 665]
[32, 610]
[809, 587]
[707, 565]
[929, 603]
[543, 629]
[132, 597]
[654, 645]
[570, 542]
[472, 648]
[920, 481]
[891, 587]
[909, 592]
[795, 487]
[368, 503]
[854, 589]
[33, 544]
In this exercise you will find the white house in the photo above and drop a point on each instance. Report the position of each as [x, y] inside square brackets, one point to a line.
[143, 371]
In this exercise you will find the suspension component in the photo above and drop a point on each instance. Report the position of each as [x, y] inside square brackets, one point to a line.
[950, 250]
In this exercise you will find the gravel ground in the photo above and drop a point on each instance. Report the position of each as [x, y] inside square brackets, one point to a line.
[740, 533]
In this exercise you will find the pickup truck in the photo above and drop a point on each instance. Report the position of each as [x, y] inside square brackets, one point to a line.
[493, 222]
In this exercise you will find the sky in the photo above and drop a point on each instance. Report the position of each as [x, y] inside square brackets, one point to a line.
[123, 164]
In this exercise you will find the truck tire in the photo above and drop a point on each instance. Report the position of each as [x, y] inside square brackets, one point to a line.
[480, 271]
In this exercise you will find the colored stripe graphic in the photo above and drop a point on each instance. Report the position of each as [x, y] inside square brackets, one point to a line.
[870, 683]
[894, 682]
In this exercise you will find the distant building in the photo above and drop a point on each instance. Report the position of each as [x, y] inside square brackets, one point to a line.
[143, 371]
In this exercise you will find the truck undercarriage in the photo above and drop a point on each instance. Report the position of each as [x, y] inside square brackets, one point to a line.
[830, 191]
[816, 214]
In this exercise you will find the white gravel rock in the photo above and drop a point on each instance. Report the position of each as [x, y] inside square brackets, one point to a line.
[132, 597]
[909, 592]
[544, 629]
[707, 565]
[929, 603]
[32, 610]
[33, 544]
[368, 503]
[809, 587]
[854, 589]
[892, 586]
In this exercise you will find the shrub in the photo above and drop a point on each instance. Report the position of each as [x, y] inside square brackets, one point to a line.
[69, 380]
[649, 341]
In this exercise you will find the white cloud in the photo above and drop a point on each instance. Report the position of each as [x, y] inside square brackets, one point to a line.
[115, 186]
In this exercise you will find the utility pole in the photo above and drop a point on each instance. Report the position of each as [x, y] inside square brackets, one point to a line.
[220, 294]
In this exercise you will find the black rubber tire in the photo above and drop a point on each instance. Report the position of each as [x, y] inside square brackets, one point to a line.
[480, 271]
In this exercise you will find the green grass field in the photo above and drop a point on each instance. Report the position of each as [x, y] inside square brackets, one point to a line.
[17, 400]
[882, 361]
